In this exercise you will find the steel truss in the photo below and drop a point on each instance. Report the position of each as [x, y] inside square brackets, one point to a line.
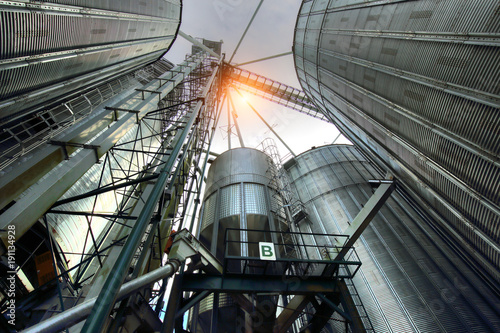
[123, 177]
[112, 160]
[272, 90]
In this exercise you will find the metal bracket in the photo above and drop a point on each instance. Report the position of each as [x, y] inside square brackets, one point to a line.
[149, 91]
[185, 245]
[125, 110]
[64, 146]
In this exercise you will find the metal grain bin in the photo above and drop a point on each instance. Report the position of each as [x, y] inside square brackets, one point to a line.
[414, 84]
[239, 194]
[59, 47]
[411, 279]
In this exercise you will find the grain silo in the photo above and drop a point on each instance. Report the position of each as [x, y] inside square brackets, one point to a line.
[414, 84]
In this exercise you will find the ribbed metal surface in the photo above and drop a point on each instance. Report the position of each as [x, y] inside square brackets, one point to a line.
[415, 85]
[239, 195]
[238, 185]
[21, 137]
[410, 279]
[238, 165]
[62, 40]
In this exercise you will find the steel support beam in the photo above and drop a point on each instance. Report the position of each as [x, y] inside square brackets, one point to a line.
[364, 217]
[290, 313]
[173, 303]
[229, 132]
[198, 43]
[266, 58]
[268, 126]
[334, 307]
[240, 137]
[324, 312]
[357, 226]
[246, 29]
[258, 284]
[105, 189]
[192, 301]
[356, 322]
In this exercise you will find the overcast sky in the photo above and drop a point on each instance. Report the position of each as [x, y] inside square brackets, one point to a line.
[271, 33]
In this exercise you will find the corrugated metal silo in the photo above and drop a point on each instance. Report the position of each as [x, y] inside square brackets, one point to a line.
[414, 84]
[239, 194]
[56, 47]
[410, 279]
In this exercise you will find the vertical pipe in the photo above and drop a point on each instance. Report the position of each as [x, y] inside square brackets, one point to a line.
[205, 162]
[228, 127]
[173, 304]
[268, 126]
[242, 144]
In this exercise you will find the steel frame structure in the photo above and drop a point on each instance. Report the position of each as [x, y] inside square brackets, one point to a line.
[324, 278]
[126, 170]
[167, 127]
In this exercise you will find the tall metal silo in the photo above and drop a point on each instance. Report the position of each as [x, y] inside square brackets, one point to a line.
[239, 194]
[414, 84]
[58, 47]
[411, 279]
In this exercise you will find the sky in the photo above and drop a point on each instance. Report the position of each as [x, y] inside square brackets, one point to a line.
[270, 33]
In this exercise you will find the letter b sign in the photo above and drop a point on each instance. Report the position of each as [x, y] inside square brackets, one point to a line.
[266, 251]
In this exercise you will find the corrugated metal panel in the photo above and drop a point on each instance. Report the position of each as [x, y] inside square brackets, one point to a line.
[410, 279]
[54, 43]
[21, 137]
[416, 85]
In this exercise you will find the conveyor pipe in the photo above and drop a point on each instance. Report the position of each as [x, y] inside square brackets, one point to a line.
[78, 313]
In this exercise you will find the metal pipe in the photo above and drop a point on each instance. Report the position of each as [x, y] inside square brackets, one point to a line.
[197, 43]
[228, 126]
[205, 162]
[81, 311]
[268, 126]
[246, 29]
[242, 144]
[107, 297]
[266, 58]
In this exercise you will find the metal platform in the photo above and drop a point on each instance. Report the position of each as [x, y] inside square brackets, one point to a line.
[296, 254]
